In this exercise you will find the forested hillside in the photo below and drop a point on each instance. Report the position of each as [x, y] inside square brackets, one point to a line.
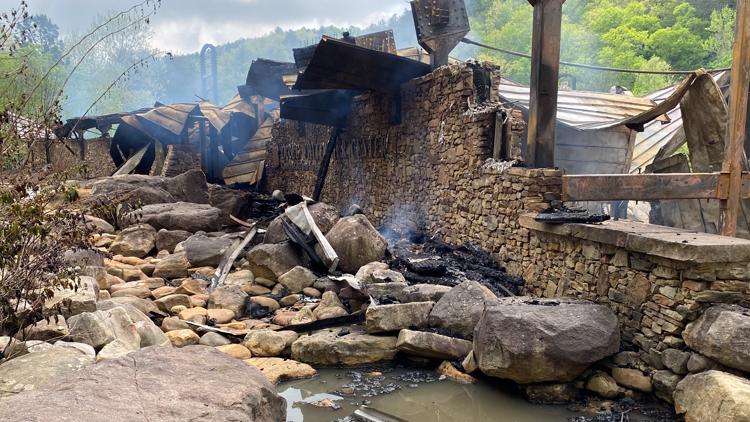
[633, 34]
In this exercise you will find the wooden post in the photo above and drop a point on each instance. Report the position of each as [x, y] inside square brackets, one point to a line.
[326, 161]
[734, 155]
[545, 71]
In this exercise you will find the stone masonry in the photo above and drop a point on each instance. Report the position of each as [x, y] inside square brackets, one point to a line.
[428, 173]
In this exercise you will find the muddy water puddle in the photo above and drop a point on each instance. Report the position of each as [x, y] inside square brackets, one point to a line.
[414, 396]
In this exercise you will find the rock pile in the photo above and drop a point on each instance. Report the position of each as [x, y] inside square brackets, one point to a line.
[147, 295]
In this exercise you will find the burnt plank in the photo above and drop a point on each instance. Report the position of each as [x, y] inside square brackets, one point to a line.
[645, 187]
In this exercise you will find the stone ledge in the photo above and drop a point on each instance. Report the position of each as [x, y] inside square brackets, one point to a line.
[664, 242]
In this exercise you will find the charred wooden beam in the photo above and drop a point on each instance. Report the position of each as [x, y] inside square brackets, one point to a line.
[325, 163]
[647, 187]
[733, 162]
[545, 70]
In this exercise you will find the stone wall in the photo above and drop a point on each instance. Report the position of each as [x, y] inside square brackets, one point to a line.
[429, 173]
[65, 156]
[179, 159]
[393, 171]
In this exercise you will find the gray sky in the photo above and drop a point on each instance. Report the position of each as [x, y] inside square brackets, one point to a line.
[183, 26]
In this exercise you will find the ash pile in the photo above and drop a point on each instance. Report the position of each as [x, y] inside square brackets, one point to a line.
[432, 261]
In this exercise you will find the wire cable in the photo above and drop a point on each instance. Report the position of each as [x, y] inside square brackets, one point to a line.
[593, 67]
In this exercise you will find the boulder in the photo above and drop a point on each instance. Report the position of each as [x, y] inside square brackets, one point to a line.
[197, 315]
[54, 328]
[269, 303]
[83, 348]
[387, 276]
[458, 311]
[541, 340]
[186, 216]
[236, 351]
[278, 369]
[364, 274]
[229, 201]
[145, 306]
[356, 242]
[271, 261]
[159, 384]
[166, 240]
[183, 338]
[192, 287]
[713, 396]
[34, 370]
[267, 343]
[676, 360]
[166, 303]
[240, 278]
[275, 232]
[76, 300]
[424, 293]
[297, 279]
[327, 347]
[386, 292]
[699, 363]
[204, 251]
[174, 324]
[324, 215]
[220, 316]
[141, 292]
[190, 186]
[228, 297]
[137, 241]
[665, 383]
[91, 328]
[151, 335]
[290, 300]
[212, 339]
[329, 307]
[304, 316]
[603, 385]
[431, 345]
[173, 266]
[722, 333]
[98, 225]
[632, 378]
[83, 257]
[385, 318]
[116, 349]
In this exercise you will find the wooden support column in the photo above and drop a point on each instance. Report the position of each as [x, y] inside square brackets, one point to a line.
[734, 155]
[545, 71]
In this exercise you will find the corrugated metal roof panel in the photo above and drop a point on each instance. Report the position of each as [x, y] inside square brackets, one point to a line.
[248, 165]
[585, 110]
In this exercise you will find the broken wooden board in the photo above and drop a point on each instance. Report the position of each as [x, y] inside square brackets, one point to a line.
[647, 187]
